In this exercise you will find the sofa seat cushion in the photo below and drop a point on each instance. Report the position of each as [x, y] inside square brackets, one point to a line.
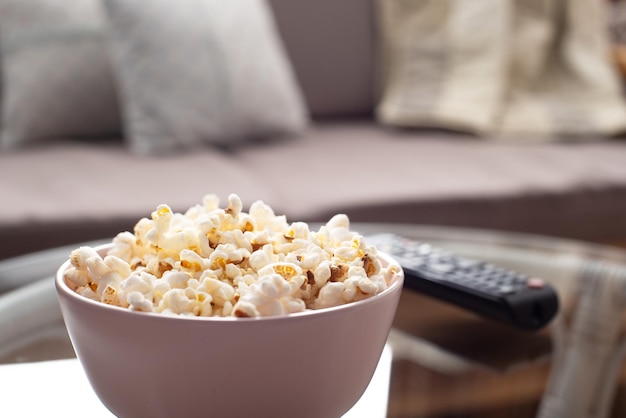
[67, 193]
[72, 192]
[376, 174]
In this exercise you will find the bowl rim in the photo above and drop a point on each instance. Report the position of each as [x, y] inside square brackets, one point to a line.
[62, 288]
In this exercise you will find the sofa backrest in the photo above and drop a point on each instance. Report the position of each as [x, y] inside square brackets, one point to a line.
[331, 45]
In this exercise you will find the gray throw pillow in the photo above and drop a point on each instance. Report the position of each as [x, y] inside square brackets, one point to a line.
[202, 72]
[57, 79]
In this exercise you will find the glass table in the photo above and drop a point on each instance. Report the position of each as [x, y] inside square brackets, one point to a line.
[440, 361]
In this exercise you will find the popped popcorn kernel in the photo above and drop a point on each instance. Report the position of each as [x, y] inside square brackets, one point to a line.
[138, 302]
[285, 270]
[162, 210]
[109, 296]
[213, 261]
[234, 205]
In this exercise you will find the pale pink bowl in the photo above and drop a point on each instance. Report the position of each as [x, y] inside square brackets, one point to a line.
[314, 364]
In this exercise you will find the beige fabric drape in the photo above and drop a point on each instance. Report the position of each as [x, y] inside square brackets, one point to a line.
[508, 69]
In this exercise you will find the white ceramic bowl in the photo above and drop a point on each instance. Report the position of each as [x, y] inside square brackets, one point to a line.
[312, 364]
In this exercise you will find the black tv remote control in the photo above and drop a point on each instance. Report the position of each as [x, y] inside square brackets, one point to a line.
[527, 303]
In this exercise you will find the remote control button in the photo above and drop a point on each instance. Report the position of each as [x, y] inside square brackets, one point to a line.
[506, 289]
[535, 283]
[489, 267]
[521, 279]
[441, 268]
[465, 263]
[423, 249]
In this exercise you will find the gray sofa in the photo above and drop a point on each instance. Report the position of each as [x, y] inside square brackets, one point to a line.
[74, 190]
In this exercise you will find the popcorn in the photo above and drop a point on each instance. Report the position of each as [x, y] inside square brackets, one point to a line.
[211, 261]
